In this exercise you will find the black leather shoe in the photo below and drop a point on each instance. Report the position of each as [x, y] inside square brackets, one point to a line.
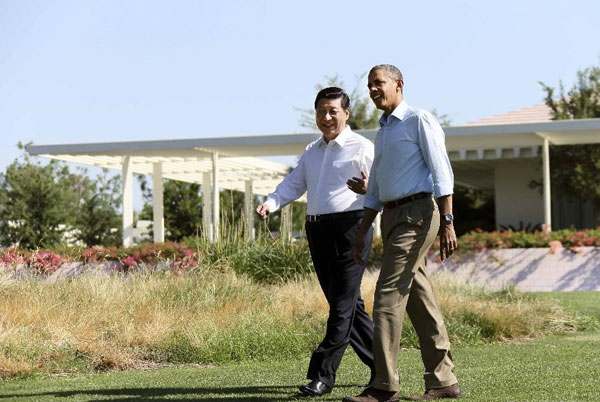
[315, 388]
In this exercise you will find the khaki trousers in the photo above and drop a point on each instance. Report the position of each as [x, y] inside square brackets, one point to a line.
[408, 233]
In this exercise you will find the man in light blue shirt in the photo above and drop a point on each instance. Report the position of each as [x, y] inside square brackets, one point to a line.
[410, 171]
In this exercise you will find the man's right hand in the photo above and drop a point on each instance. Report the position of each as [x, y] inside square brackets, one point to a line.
[262, 211]
[357, 248]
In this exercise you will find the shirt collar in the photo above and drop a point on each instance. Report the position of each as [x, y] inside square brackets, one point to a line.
[341, 137]
[399, 113]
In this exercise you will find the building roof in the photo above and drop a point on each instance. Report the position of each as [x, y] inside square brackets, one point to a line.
[531, 114]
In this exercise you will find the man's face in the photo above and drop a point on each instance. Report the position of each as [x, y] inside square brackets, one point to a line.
[385, 92]
[331, 117]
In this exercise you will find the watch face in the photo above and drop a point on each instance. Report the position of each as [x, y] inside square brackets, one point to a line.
[448, 217]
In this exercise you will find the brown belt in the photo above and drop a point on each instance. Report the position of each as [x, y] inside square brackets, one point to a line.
[400, 201]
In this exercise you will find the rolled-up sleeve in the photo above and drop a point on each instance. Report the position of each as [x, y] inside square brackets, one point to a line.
[290, 189]
[432, 145]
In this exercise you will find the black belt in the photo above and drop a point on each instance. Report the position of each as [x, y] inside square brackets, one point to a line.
[335, 215]
[400, 201]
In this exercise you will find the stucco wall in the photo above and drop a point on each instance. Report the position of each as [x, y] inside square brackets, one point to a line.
[529, 269]
[515, 201]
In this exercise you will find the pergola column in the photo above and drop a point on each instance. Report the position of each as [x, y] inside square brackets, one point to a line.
[546, 175]
[207, 221]
[215, 194]
[157, 203]
[127, 172]
[249, 208]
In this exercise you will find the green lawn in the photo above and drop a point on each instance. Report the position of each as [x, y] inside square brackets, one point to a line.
[558, 368]
[587, 303]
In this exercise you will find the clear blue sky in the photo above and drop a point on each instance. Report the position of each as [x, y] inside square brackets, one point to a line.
[88, 71]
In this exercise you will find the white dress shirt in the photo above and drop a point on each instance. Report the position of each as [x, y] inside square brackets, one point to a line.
[322, 171]
[410, 157]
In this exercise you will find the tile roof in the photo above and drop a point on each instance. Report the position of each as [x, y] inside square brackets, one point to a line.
[532, 114]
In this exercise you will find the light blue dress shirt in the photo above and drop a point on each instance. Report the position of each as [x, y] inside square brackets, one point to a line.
[410, 157]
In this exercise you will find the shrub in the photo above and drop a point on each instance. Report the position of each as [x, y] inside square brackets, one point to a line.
[569, 238]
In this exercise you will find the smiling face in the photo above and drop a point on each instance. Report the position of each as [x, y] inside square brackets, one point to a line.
[385, 92]
[331, 117]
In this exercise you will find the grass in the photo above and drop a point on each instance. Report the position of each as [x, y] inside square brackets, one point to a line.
[557, 368]
[95, 323]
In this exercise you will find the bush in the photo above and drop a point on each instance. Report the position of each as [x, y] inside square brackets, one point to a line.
[569, 238]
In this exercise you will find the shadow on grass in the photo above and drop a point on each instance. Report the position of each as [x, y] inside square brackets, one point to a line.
[238, 394]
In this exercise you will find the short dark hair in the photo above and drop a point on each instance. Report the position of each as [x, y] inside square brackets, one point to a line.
[333, 93]
[391, 70]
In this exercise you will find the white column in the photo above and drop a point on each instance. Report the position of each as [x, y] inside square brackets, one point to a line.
[377, 228]
[207, 221]
[249, 208]
[215, 194]
[127, 201]
[546, 173]
[157, 203]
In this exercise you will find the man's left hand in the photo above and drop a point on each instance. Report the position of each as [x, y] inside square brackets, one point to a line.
[448, 243]
[358, 184]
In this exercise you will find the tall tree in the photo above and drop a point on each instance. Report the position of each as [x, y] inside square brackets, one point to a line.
[97, 221]
[182, 208]
[575, 168]
[36, 203]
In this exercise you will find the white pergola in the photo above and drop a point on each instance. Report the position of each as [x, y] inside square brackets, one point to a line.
[181, 160]
[232, 163]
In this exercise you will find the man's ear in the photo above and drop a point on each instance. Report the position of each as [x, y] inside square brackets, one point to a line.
[347, 113]
[400, 85]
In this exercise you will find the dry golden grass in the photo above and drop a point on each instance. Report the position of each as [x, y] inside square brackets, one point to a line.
[121, 322]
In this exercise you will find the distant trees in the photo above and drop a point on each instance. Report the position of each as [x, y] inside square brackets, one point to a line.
[575, 168]
[363, 114]
[97, 221]
[182, 208]
[41, 204]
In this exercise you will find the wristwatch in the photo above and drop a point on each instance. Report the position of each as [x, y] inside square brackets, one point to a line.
[448, 218]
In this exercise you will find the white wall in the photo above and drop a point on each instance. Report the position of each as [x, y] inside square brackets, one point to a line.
[515, 201]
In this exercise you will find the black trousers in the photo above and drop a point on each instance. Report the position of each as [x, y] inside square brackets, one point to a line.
[330, 244]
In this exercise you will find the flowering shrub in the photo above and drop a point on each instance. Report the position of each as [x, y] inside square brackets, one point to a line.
[479, 240]
[11, 257]
[44, 262]
[568, 238]
[179, 256]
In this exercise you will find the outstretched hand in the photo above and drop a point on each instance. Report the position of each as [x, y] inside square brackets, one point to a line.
[357, 249]
[358, 184]
[262, 211]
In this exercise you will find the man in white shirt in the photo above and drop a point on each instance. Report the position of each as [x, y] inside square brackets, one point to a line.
[334, 210]
[411, 171]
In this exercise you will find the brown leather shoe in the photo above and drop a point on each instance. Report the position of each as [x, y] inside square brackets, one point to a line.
[453, 391]
[373, 395]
